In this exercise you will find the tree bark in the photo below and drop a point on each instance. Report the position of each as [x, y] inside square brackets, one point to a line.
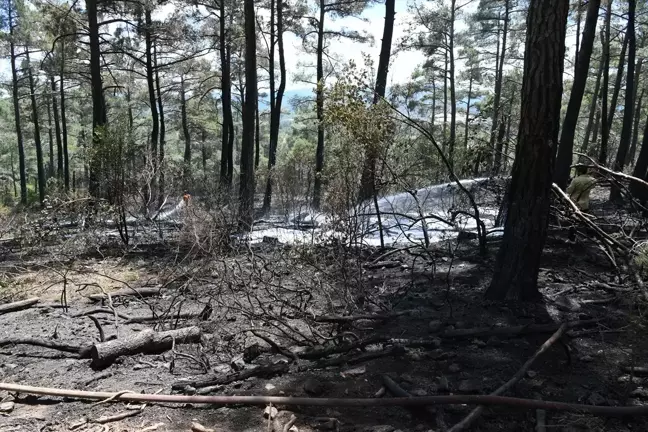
[227, 129]
[66, 157]
[150, 81]
[453, 95]
[257, 138]
[275, 101]
[37, 136]
[16, 104]
[368, 178]
[618, 81]
[603, 151]
[98, 104]
[50, 134]
[187, 136]
[566, 147]
[525, 231]
[162, 128]
[59, 143]
[499, 76]
[635, 131]
[628, 110]
[593, 106]
[319, 155]
[470, 86]
[246, 186]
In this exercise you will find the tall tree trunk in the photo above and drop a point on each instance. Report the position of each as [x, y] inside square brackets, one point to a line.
[579, 16]
[98, 104]
[628, 109]
[66, 156]
[618, 81]
[59, 144]
[246, 191]
[635, 131]
[50, 134]
[186, 176]
[445, 101]
[275, 101]
[525, 229]
[453, 96]
[162, 128]
[150, 81]
[257, 133]
[16, 104]
[203, 150]
[566, 147]
[640, 170]
[227, 130]
[470, 86]
[593, 105]
[499, 76]
[37, 136]
[319, 155]
[368, 178]
[603, 150]
[597, 131]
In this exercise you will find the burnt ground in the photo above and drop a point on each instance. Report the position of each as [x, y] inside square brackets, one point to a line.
[284, 292]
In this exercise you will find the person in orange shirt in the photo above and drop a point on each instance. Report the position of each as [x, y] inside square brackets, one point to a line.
[186, 197]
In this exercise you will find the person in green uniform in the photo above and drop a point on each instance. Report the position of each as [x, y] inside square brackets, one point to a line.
[580, 187]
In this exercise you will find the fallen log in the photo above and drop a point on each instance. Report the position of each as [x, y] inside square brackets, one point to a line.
[19, 305]
[259, 371]
[103, 354]
[166, 317]
[600, 410]
[126, 292]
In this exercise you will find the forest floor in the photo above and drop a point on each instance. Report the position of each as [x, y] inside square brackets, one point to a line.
[285, 293]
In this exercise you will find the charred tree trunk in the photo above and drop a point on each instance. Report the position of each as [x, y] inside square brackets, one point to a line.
[566, 147]
[162, 129]
[257, 138]
[275, 101]
[368, 178]
[16, 105]
[98, 105]
[37, 136]
[640, 170]
[50, 135]
[150, 81]
[628, 110]
[66, 157]
[603, 150]
[618, 81]
[453, 96]
[227, 134]
[499, 76]
[319, 155]
[525, 231]
[635, 131]
[186, 174]
[246, 187]
[593, 106]
[59, 143]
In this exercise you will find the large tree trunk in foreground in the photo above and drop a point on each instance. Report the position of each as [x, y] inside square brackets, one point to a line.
[628, 110]
[275, 101]
[525, 229]
[319, 154]
[566, 147]
[246, 186]
[368, 179]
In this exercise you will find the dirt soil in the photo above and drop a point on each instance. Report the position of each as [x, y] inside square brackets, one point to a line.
[283, 292]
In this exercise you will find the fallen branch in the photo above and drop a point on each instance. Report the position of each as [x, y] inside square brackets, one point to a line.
[126, 292]
[351, 318]
[147, 341]
[475, 413]
[637, 410]
[117, 417]
[151, 318]
[83, 351]
[100, 311]
[19, 305]
[259, 371]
